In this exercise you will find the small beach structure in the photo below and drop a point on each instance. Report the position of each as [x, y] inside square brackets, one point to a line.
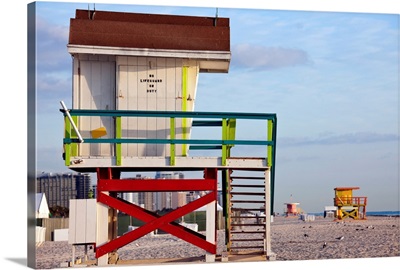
[42, 208]
[134, 86]
[42, 212]
[330, 211]
[291, 209]
[349, 206]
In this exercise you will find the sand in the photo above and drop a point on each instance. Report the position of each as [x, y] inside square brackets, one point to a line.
[291, 239]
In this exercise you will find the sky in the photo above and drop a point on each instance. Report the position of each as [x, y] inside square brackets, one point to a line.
[331, 78]
[328, 69]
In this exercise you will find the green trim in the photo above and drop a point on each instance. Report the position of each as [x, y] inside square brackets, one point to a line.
[118, 135]
[172, 137]
[231, 134]
[74, 146]
[224, 137]
[184, 107]
[67, 146]
[231, 129]
[269, 138]
[274, 134]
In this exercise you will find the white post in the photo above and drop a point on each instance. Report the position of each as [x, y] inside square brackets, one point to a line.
[210, 228]
[86, 253]
[73, 255]
[267, 242]
[102, 231]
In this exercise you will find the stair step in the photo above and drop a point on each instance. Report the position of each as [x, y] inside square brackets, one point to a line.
[246, 201]
[246, 217]
[246, 232]
[248, 186]
[248, 177]
[247, 225]
[248, 209]
[248, 240]
[248, 193]
[247, 247]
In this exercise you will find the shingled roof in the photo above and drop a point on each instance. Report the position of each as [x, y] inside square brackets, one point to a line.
[149, 31]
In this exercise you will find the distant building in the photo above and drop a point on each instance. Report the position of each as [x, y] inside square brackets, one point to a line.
[146, 200]
[169, 200]
[178, 199]
[61, 187]
[133, 197]
[154, 201]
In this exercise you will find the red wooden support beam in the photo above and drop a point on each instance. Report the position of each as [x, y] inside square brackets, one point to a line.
[163, 222]
[109, 182]
[211, 173]
[155, 185]
[104, 173]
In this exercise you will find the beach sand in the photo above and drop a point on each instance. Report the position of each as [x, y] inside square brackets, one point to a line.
[291, 239]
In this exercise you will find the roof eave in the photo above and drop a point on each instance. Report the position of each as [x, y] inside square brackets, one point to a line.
[210, 61]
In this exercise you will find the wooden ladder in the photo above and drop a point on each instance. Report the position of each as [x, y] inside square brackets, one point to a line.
[246, 222]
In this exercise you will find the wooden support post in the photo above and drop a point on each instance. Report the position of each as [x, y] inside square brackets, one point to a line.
[211, 212]
[103, 218]
[267, 242]
[73, 256]
[210, 228]
[86, 253]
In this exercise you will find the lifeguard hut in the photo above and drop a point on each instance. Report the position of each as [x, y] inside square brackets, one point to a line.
[291, 209]
[349, 206]
[133, 98]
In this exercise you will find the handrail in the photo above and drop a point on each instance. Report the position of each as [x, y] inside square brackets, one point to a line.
[227, 120]
[348, 201]
[177, 114]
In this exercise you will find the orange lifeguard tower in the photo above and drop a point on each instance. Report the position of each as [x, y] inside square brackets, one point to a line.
[349, 206]
[291, 209]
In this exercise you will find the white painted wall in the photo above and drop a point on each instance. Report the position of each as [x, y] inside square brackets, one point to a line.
[148, 83]
[134, 83]
[94, 88]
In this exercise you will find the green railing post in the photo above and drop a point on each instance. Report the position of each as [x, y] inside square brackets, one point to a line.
[74, 146]
[231, 134]
[172, 137]
[224, 137]
[184, 107]
[67, 146]
[269, 138]
[274, 134]
[118, 135]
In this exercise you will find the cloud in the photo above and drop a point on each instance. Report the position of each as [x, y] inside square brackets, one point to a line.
[261, 57]
[53, 65]
[333, 139]
[52, 40]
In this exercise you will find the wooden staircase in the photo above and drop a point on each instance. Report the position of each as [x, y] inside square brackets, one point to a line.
[246, 222]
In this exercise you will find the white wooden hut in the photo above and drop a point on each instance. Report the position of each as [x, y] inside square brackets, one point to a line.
[131, 61]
